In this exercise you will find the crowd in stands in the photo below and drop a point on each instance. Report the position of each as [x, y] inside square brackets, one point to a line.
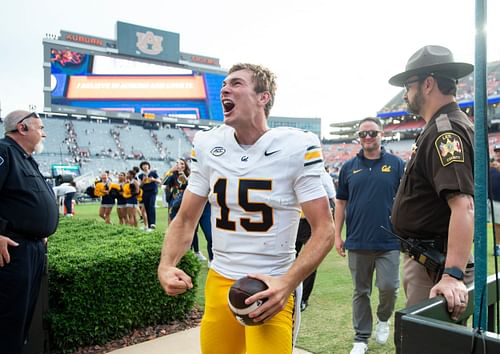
[115, 134]
[96, 146]
[105, 150]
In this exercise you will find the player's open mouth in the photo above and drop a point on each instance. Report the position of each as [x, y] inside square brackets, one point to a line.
[228, 105]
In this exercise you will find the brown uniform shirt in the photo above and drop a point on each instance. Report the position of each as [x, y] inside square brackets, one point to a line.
[441, 162]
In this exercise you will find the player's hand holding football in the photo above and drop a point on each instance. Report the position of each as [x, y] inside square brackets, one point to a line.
[173, 280]
[277, 294]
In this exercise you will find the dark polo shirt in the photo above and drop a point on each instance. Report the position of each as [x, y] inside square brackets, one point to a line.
[28, 207]
[441, 162]
[369, 187]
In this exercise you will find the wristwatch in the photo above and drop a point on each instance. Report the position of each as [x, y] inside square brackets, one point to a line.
[454, 272]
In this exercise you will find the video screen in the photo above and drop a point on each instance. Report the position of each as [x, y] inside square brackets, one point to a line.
[62, 169]
[114, 84]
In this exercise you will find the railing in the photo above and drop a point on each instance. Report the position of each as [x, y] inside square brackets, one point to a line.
[427, 328]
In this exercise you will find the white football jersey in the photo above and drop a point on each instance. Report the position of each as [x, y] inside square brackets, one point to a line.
[255, 194]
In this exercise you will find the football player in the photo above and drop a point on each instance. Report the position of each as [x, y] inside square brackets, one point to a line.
[257, 180]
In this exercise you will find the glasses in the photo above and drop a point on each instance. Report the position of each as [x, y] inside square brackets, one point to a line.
[32, 114]
[372, 133]
[408, 83]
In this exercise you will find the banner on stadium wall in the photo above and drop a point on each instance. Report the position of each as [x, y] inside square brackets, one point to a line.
[136, 87]
[145, 42]
[200, 59]
[86, 39]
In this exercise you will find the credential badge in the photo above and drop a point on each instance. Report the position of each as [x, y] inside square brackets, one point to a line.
[148, 43]
[218, 151]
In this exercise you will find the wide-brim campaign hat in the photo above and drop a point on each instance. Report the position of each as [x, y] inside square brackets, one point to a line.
[432, 59]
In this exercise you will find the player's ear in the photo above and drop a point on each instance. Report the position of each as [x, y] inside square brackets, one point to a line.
[264, 97]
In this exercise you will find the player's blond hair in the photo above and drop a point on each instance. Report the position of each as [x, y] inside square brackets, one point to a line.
[264, 79]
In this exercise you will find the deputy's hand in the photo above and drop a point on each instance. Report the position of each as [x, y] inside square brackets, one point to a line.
[5, 242]
[277, 296]
[455, 293]
[173, 280]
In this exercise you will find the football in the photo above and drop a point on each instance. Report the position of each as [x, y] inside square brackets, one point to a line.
[242, 289]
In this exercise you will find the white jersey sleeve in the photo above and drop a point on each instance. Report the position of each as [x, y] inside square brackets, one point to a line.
[199, 178]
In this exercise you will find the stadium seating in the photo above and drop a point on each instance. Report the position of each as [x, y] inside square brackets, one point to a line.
[97, 151]
[91, 145]
[94, 136]
[137, 139]
[55, 141]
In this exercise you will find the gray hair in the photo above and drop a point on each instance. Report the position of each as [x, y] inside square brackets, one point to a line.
[10, 122]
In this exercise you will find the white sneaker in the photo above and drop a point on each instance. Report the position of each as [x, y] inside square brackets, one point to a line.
[359, 348]
[200, 257]
[382, 332]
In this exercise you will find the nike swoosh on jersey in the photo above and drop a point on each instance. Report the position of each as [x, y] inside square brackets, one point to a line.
[266, 153]
[356, 171]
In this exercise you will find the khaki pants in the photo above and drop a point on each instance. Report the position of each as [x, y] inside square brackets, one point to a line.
[418, 284]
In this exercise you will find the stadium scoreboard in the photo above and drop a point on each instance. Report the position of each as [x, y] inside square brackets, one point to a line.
[142, 75]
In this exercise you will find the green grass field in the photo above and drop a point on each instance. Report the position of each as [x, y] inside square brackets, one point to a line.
[326, 324]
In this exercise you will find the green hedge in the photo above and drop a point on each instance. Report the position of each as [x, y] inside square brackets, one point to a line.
[103, 283]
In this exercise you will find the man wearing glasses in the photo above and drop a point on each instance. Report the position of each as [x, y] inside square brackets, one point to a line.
[434, 203]
[367, 185]
[28, 214]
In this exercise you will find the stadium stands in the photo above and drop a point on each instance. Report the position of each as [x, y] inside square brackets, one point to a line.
[412, 124]
[94, 136]
[57, 143]
[90, 144]
[114, 146]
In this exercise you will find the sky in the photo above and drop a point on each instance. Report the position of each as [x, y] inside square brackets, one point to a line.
[332, 59]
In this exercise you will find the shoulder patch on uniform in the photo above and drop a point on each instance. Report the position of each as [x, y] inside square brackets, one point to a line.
[313, 155]
[449, 148]
[443, 123]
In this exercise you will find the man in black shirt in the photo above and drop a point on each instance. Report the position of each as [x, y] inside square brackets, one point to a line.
[28, 215]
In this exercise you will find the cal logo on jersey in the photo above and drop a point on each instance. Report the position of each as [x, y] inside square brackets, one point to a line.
[313, 155]
[449, 148]
[386, 168]
[218, 151]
